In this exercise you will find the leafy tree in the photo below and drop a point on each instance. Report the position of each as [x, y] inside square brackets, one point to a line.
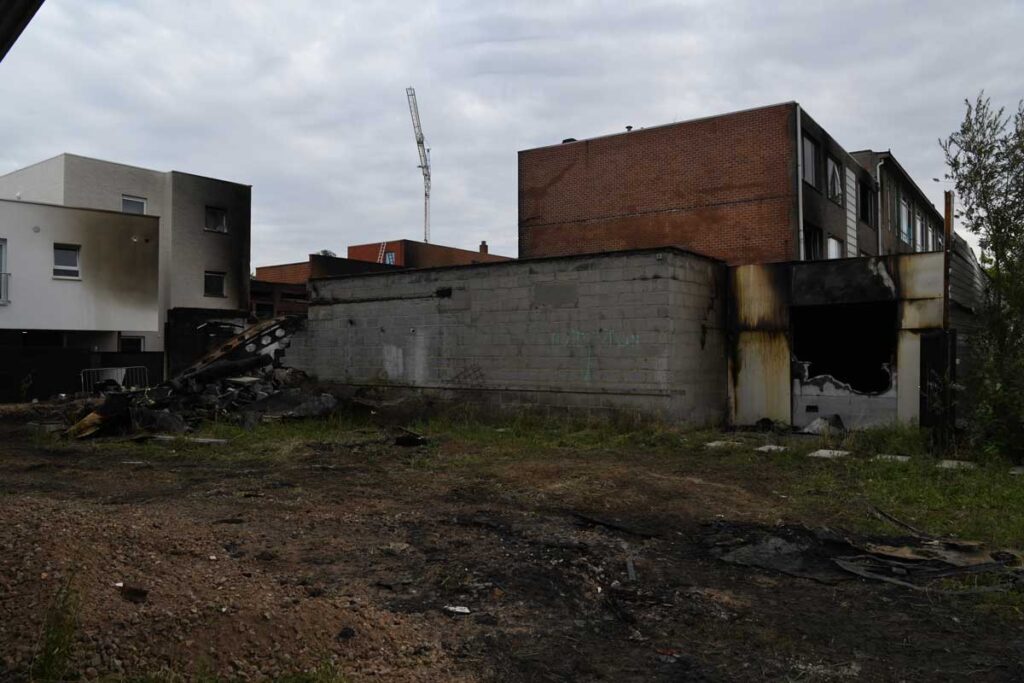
[326, 252]
[986, 164]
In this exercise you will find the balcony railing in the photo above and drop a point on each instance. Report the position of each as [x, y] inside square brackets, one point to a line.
[5, 288]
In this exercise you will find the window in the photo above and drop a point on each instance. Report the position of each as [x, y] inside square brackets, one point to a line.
[919, 229]
[866, 203]
[132, 344]
[812, 244]
[264, 310]
[835, 180]
[906, 229]
[213, 283]
[66, 260]
[216, 219]
[130, 204]
[810, 161]
[389, 258]
[835, 248]
[3, 273]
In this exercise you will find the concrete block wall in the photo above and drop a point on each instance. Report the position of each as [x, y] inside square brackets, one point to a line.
[633, 331]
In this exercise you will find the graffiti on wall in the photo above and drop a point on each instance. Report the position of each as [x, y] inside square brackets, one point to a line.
[591, 341]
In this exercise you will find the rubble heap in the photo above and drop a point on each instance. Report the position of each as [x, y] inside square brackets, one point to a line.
[243, 379]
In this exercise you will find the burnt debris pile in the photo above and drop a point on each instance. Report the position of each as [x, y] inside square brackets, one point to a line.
[242, 380]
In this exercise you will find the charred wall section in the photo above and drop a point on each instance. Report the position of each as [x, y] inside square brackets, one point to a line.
[849, 333]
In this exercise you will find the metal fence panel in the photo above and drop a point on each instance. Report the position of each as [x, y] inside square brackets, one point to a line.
[134, 377]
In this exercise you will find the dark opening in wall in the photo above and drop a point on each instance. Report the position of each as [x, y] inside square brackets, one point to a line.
[850, 342]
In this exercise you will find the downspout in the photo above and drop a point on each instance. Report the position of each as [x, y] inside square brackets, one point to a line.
[800, 185]
[878, 218]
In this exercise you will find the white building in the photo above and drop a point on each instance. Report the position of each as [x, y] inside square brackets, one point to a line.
[204, 227]
[86, 273]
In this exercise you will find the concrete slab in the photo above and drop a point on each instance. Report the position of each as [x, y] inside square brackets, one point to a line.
[722, 444]
[891, 458]
[828, 454]
[955, 465]
[770, 448]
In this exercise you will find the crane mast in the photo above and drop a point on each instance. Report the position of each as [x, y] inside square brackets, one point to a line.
[424, 151]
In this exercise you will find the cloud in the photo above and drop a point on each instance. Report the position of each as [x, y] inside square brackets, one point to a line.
[305, 99]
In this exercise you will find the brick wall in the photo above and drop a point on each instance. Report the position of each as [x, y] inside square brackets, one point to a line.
[413, 254]
[634, 331]
[287, 273]
[722, 186]
[371, 252]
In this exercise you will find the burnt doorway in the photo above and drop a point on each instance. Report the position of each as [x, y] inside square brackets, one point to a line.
[844, 356]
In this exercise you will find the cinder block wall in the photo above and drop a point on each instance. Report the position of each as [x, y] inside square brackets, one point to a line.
[723, 186]
[634, 331]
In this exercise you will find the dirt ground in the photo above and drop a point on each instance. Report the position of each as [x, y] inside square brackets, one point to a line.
[344, 554]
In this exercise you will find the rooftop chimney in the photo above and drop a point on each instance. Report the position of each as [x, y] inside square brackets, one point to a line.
[483, 247]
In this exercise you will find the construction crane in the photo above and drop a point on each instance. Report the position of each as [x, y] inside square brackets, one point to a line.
[424, 151]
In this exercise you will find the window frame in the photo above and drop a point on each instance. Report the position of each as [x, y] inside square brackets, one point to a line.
[389, 258]
[841, 246]
[906, 227]
[224, 219]
[134, 198]
[813, 172]
[867, 204]
[141, 339]
[77, 269]
[223, 284]
[261, 307]
[814, 243]
[5, 295]
[831, 163]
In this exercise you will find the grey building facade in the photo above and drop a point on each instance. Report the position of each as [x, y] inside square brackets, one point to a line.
[204, 226]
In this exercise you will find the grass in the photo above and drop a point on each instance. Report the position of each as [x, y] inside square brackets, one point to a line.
[60, 622]
[985, 504]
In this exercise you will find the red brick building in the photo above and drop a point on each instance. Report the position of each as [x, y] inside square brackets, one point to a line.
[413, 254]
[281, 289]
[755, 186]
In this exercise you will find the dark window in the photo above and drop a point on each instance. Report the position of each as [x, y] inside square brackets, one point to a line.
[132, 344]
[835, 180]
[866, 203]
[906, 222]
[216, 219]
[66, 260]
[813, 247]
[810, 161]
[389, 258]
[213, 283]
[130, 204]
[264, 310]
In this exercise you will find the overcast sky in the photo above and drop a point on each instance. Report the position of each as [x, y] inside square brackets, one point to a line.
[305, 100]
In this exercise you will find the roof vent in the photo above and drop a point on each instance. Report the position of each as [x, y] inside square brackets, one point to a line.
[629, 128]
[568, 140]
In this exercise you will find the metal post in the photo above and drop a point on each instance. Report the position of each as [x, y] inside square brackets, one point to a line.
[947, 246]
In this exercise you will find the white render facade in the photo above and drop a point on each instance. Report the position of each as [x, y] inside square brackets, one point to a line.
[85, 273]
[203, 226]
